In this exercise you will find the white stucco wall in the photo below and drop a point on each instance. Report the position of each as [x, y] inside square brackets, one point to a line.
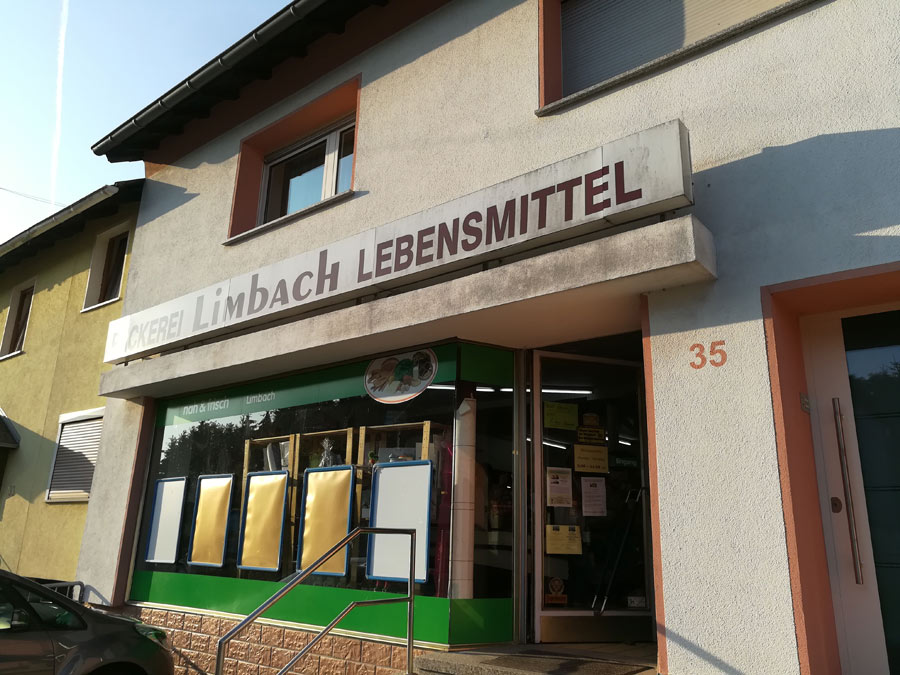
[795, 146]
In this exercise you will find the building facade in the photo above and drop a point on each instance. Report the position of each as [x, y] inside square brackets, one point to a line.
[61, 283]
[623, 280]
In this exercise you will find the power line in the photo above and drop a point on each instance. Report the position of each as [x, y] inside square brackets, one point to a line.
[27, 196]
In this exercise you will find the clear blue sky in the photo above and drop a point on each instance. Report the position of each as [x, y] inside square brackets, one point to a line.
[119, 55]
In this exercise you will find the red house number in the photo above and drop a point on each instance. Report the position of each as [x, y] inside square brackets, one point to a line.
[717, 355]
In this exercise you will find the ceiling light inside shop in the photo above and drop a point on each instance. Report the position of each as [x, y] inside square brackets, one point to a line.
[489, 390]
[550, 444]
[447, 387]
[584, 392]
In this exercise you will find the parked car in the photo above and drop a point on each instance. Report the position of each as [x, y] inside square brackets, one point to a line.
[45, 633]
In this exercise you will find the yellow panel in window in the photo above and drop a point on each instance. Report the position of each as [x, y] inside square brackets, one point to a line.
[263, 521]
[211, 520]
[326, 518]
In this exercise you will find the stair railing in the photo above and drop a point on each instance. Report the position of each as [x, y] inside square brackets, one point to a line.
[301, 576]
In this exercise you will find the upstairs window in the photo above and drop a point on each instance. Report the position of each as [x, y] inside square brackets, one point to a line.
[309, 172]
[107, 267]
[603, 40]
[17, 320]
[301, 161]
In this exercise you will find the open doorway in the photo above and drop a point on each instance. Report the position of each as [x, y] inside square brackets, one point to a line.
[592, 565]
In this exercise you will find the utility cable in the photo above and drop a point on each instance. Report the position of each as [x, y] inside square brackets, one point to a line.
[43, 200]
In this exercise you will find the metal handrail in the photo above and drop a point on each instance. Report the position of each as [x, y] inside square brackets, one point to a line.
[297, 580]
[57, 585]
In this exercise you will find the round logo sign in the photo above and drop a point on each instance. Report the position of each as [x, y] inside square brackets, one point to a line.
[401, 377]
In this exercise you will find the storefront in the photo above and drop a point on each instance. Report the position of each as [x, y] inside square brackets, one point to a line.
[624, 432]
[329, 418]
[587, 493]
[532, 509]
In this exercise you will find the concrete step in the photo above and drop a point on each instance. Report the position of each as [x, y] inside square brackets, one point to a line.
[530, 659]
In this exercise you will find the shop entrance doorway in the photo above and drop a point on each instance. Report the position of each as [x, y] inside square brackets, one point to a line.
[592, 577]
[853, 372]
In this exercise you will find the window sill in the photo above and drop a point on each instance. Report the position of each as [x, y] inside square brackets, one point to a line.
[11, 354]
[289, 218]
[669, 59]
[101, 304]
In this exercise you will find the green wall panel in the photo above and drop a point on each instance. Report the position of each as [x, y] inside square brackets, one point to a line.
[314, 605]
[481, 620]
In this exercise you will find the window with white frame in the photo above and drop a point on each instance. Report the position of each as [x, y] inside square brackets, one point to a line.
[76, 456]
[17, 319]
[107, 267]
[308, 172]
[603, 39]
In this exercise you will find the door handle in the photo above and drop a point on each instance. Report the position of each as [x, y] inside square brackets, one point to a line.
[848, 497]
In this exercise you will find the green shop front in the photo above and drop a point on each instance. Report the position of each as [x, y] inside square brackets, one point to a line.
[399, 410]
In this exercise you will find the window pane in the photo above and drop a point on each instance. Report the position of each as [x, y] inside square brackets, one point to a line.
[6, 612]
[296, 182]
[113, 267]
[51, 612]
[345, 160]
[17, 341]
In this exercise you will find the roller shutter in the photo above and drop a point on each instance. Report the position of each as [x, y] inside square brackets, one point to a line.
[605, 38]
[76, 457]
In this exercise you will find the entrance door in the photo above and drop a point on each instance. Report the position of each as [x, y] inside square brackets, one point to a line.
[592, 580]
[853, 370]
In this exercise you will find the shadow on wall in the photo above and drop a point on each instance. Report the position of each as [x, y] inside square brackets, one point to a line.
[158, 199]
[27, 475]
[717, 664]
[822, 205]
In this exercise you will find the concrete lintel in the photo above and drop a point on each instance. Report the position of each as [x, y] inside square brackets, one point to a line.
[663, 255]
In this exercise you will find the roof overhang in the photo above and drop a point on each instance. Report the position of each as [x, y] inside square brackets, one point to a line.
[287, 34]
[68, 221]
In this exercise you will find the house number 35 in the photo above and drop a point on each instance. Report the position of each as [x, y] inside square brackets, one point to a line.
[717, 355]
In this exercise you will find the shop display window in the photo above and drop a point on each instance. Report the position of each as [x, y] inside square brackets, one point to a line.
[326, 419]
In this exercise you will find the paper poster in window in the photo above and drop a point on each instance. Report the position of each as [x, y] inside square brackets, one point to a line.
[559, 486]
[593, 496]
[560, 415]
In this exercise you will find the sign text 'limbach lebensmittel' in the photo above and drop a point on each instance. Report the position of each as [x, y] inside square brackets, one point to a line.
[637, 176]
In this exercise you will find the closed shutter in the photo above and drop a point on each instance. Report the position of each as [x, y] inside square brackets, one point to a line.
[605, 38]
[76, 457]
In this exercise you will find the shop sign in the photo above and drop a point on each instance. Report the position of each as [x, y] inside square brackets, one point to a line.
[641, 175]
[401, 377]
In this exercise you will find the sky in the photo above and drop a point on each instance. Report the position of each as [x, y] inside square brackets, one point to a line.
[117, 57]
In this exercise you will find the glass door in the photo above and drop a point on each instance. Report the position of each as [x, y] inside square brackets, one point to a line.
[592, 579]
[853, 369]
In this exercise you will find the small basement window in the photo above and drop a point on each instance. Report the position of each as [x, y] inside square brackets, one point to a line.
[76, 456]
[17, 319]
[309, 172]
[107, 267]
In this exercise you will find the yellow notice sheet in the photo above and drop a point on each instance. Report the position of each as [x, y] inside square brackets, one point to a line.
[592, 458]
[562, 540]
[560, 415]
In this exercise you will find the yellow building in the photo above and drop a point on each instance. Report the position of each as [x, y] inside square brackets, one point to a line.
[61, 283]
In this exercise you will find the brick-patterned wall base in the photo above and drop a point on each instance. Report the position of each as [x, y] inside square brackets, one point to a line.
[264, 650]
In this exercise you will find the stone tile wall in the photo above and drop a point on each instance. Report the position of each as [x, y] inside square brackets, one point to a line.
[263, 650]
